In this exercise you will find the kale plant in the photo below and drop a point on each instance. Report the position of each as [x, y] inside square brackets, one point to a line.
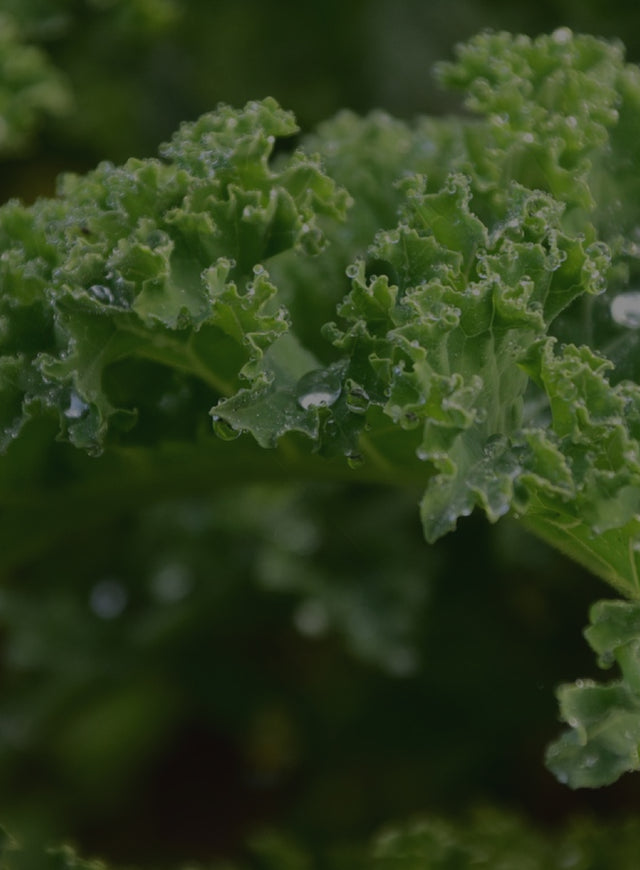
[450, 304]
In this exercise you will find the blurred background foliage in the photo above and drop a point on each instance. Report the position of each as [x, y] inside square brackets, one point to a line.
[177, 676]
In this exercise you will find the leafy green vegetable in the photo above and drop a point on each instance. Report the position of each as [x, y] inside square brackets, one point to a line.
[93, 278]
[604, 737]
[447, 305]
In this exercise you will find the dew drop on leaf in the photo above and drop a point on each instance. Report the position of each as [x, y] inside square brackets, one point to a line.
[352, 271]
[102, 293]
[356, 398]
[224, 430]
[77, 407]
[318, 389]
[354, 459]
[625, 309]
[607, 659]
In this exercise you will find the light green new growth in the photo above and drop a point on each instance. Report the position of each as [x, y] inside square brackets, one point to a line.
[467, 322]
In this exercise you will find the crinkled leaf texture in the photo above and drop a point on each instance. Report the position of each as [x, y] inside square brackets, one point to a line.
[603, 740]
[477, 337]
[147, 278]
[471, 328]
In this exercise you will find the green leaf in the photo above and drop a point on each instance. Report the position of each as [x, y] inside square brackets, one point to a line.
[604, 737]
[593, 516]
[154, 262]
[549, 103]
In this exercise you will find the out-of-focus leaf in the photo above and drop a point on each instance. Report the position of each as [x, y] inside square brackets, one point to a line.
[604, 736]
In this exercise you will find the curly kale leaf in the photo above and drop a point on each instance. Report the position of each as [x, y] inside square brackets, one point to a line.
[153, 272]
[145, 294]
[604, 735]
[447, 369]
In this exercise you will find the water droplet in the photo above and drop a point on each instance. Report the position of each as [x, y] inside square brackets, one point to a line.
[607, 659]
[353, 270]
[356, 398]
[259, 269]
[625, 309]
[108, 599]
[77, 407]
[409, 420]
[354, 460]
[224, 430]
[102, 293]
[590, 760]
[318, 389]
